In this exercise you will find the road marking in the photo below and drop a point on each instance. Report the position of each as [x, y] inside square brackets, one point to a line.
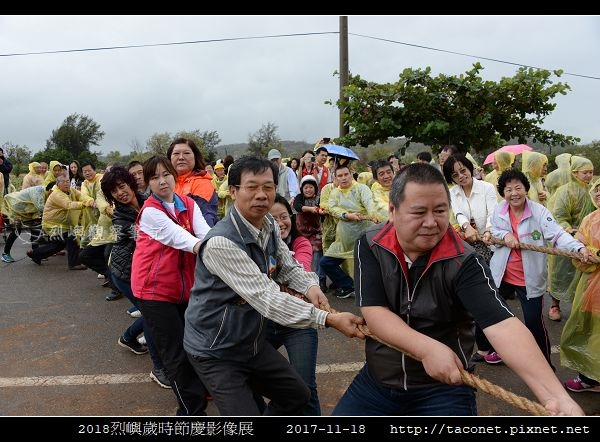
[132, 378]
[340, 368]
[84, 379]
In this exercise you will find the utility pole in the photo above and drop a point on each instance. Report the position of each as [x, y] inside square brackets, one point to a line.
[344, 129]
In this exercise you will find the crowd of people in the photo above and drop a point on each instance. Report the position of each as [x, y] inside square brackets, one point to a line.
[225, 264]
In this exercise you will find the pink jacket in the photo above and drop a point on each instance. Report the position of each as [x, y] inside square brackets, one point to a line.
[303, 252]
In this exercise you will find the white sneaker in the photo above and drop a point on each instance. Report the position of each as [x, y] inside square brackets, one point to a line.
[141, 339]
[135, 314]
[100, 276]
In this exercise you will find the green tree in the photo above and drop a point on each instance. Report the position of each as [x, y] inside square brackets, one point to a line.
[211, 140]
[591, 151]
[56, 154]
[75, 135]
[115, 157]
[264, 139]
[65, 157]
[19, 156]
[201, 139]
[462, 110]
[159, 143]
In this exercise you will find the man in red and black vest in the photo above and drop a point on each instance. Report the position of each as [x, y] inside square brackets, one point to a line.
[320, 171]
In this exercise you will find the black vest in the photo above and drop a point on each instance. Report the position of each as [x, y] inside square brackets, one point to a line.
[218, 322]
[433, 309]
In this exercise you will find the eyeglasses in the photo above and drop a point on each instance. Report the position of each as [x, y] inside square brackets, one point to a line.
[254, 188]
[283, 217]
[182, 154]
[456, 175]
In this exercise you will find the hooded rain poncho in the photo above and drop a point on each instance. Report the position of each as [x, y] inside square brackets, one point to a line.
[561, 175]
[533, 165]
[580, 339]
[569, 205]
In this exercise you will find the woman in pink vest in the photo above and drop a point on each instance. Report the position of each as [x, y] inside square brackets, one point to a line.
[170, 228]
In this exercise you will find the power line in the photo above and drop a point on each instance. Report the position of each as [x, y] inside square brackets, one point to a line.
[110, 48]
[303, 34]
[467, 55]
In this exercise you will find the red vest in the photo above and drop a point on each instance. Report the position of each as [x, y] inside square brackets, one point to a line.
[324, 178]
[315, 172]
[159, 272]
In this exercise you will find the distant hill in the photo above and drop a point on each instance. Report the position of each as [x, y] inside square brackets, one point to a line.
[290, 149]
[237, 150]
[393, 145]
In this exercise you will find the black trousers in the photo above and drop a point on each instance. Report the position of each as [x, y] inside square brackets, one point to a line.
[235, 386]
[56, 244]
[166, 322]
[15, 232]
[94, 257]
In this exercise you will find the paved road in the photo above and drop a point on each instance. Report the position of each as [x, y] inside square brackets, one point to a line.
[59, 352]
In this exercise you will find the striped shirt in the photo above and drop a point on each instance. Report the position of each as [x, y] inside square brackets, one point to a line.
[223, 258]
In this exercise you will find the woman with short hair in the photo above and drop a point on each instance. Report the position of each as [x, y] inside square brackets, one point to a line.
[191, 178]
[170, 229]
[518, 220]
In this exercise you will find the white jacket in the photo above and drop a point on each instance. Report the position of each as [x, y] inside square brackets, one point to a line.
[537, 227]
[479, 206]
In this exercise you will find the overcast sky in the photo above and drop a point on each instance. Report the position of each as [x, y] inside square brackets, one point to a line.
[235, 87]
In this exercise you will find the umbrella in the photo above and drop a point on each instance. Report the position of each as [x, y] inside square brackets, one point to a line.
[335, 150]
[514, 148]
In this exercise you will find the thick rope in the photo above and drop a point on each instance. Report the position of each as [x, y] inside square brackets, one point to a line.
[470, 379]
[548, 250]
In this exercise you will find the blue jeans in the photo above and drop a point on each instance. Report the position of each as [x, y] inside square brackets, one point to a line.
[315, 265]
[301, 345]
[532, 316]
[139, 324]
[331, 267]
[365, 397]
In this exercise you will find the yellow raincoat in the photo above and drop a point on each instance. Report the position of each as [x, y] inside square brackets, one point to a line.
[32, 178]
[329, 223]
[365, 178]
[96, 223]
[569, 205]
[580, 339]
[358, 198]
[533, 165]
[26, 204]
[62, 210]
[217, 182]
[561, 175]
[502, 161]
[225, 196]
[477, 169]
[50, 177]
[381, 196]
